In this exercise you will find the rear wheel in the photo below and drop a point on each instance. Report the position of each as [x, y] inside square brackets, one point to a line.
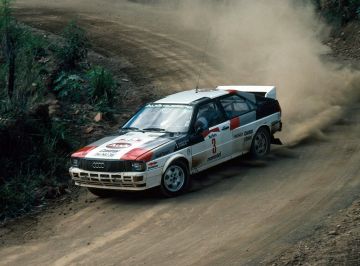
[101, 193]
[260, 146]
[175, 180]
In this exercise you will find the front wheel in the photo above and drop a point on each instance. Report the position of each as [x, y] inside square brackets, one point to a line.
[260, 146]
[175, 180]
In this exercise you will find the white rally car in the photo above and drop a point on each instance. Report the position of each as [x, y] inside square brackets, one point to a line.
[167, 141]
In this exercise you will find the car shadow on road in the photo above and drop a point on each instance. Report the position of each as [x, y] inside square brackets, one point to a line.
[237, 167]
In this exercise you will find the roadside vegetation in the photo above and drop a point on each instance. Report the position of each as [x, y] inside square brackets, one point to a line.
[339, 12]
[47, 91]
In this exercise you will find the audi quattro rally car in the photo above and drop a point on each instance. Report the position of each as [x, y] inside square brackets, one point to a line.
[168, 140]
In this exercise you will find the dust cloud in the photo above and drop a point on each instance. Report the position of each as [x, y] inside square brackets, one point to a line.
[272, 42]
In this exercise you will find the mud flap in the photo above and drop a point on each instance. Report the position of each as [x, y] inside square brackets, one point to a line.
[276, 141]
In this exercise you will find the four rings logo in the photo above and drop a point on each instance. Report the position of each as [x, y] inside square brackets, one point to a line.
[98, 165]
[119, 145]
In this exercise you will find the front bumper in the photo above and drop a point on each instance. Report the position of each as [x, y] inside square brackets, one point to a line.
[135, 181]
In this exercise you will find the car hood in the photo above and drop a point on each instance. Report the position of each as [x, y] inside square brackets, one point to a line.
[136, 146]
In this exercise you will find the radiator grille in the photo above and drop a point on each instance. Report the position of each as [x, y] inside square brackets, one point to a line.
[109, 166]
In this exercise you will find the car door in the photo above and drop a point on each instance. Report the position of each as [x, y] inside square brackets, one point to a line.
[215, 136]
[241, 114]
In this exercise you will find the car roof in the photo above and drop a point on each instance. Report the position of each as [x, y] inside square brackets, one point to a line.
[191, 96]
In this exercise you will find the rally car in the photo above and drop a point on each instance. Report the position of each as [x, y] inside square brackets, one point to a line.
[167, 141]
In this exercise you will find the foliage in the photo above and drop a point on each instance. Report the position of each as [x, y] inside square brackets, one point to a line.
[33, 155]
[18, 195]
[34, 146]
[75, 48]
[102, 85]
[69, 86]
[20, 80]
[339, 12]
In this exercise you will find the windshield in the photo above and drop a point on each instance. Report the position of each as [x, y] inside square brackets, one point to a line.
[162, 117]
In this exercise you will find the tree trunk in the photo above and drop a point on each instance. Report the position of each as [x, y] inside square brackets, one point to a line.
[11, 76]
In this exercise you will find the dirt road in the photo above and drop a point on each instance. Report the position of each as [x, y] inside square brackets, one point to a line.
[240, 213]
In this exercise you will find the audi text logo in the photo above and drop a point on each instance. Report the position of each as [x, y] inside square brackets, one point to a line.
[98, 165]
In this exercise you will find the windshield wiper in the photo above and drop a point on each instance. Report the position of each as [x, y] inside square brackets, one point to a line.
[154, 129]
[131, 128]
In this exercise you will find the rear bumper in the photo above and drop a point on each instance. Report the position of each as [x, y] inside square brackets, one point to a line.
[132, 181]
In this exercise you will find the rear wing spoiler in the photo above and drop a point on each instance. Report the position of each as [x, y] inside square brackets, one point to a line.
[265, 91]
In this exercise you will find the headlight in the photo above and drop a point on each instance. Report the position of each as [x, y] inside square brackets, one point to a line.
[138, 166]
[75, 162]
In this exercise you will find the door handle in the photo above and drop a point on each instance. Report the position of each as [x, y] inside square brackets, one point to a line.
[225, 128]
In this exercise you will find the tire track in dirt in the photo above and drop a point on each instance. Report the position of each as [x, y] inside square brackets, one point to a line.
[159, 58]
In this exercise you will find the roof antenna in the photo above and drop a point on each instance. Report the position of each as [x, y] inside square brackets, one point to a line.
[203, 61]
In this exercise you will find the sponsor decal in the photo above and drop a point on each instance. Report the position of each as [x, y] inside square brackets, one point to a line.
[118, 145]
[208, 132]
[211, 136]
[153, 165]
[107, 153]
[182, 144]
[83, 152]
[239, 135]
[249, 132]
[130, 139]
[216, 156]
[234, 123]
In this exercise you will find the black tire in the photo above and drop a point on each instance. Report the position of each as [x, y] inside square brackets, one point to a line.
[175, 180]
[101, 193]
[260, 146]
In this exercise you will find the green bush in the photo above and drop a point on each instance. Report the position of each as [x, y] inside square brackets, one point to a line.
[70, 87]
[18, 195]
[75, 48]
[21, 83]
[102, 85]
[29, 87]
[339, 12]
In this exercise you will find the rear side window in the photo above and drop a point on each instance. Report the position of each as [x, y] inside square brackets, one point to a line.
[235, 106]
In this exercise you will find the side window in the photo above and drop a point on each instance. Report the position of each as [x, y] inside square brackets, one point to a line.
[235, 106]
[209, 115]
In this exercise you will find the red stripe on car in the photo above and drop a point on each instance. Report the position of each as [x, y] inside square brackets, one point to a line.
[138, 154]
[83, 152]
[234, 123]
[208, 132]
[232, 91]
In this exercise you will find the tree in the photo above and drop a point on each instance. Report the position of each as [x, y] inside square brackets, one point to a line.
[9, 38]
